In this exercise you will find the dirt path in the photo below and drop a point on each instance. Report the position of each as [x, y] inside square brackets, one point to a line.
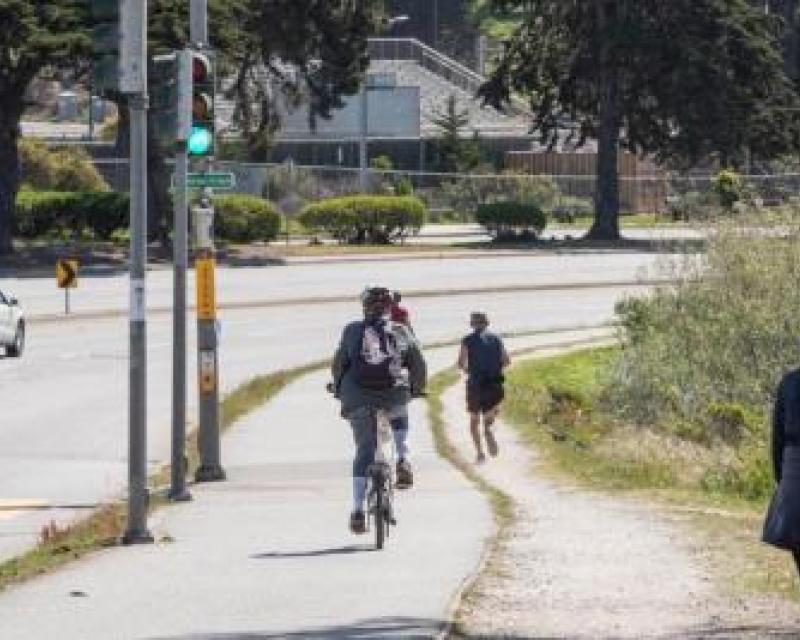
[576, 564]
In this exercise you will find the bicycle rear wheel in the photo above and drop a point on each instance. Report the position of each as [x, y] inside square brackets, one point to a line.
[380, 515]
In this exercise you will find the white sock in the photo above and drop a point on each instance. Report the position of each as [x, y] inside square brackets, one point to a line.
[401, 443]
[359, 493]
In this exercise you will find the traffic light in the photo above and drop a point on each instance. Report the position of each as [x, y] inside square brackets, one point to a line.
[201, 133]
[164, 90]
[118, 36]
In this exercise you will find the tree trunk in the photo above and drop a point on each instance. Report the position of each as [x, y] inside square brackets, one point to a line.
[122, 146]
[158, 176]
[606, 218]
[9, 181]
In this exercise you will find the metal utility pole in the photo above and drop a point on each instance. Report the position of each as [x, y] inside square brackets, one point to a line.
[210, 468]
[362, 141]
[198, 22]
[133, 82]
[180, 247]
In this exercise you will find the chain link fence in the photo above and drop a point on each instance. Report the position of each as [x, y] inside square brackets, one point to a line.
[456, 196]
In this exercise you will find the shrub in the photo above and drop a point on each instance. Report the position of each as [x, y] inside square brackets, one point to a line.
[710, 350]
[69, 213]
[691, 206]
[64, 169]
[243, 218]
[363, 219]
[570, 208]
[512, 220]
[729, 188]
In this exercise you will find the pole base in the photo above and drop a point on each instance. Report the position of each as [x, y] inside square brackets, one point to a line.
[179, 496]
[210, 474]
[137, 537]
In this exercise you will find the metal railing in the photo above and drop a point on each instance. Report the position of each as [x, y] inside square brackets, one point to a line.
[428, 58]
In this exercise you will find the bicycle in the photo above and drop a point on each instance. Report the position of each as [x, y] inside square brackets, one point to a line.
[380, 481]
[380, 478]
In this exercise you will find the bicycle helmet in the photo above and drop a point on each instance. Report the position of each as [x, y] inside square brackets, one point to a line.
[376, 301]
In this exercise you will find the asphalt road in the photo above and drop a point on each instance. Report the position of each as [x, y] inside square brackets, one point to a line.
[63, 432]
[300, 279]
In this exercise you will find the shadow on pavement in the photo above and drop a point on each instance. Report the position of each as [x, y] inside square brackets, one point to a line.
[413, 628]
[313, 553]
[373, 629]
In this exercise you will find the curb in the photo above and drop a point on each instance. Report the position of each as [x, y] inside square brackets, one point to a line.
[107, 314]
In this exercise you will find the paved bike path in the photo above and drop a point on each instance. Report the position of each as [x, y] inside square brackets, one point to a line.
[267, 554]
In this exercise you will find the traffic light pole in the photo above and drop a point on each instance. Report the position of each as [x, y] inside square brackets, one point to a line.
[133, 82]
[137, 532]
[180, 247]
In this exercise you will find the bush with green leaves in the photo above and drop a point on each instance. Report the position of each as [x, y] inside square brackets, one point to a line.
[709, 351]
[60, 169]
[244, 218]
[570, 208]
[365, 219]
[729, 188]
[90, 214]
[512, 220]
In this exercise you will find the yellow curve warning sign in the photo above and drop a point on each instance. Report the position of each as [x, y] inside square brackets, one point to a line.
[67, 274]
[206, 289]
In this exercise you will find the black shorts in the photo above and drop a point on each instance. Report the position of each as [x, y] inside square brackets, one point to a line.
[482, 398]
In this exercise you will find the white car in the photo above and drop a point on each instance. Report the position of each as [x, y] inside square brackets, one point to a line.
[12, 326]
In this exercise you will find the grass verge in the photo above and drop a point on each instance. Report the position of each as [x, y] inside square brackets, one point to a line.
[104, 527]
[502, 504]
[554, 404]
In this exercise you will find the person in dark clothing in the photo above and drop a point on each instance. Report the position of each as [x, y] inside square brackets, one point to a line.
[782, 525]
[483, 357]
[377, 366]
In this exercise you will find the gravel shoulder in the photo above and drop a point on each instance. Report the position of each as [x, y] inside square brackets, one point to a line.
[580, 564]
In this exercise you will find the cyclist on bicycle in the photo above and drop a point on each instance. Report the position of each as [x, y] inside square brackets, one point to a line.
[377, 366]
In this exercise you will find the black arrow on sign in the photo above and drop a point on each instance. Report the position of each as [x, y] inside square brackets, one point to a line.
[68, 273]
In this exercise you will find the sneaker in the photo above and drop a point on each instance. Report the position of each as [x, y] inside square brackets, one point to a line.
[358, 523]
[481, 458]
[491, 443]
[405, 477]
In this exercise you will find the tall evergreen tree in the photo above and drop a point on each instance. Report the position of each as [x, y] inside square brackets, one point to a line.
[316, 49]
[36, 37]
[682, 81]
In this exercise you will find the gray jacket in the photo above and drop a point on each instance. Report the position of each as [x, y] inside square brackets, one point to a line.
[352, 395]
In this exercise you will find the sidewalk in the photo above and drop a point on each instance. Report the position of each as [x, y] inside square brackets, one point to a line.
[267, 554]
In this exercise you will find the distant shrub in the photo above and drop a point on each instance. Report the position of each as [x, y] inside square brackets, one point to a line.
[569, 208]
[363, 219]
[61, 169]
[243, 218]
[729, 188]
[98, 215]
[511, 220]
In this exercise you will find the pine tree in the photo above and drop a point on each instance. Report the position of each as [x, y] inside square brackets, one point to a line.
[37, 37]
[682, 81]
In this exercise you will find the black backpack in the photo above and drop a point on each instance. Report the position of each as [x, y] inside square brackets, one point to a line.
[378, 364]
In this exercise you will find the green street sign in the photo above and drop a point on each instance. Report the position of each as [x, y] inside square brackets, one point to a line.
[215, 180]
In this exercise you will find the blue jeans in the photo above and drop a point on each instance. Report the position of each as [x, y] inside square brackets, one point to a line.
[364, 423]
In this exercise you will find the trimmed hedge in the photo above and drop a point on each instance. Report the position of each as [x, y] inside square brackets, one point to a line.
[42, 212]
[243, 218]
[101, 214]
[362, 219]
[511, 220]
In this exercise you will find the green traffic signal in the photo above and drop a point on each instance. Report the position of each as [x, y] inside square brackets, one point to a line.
[200, 141]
